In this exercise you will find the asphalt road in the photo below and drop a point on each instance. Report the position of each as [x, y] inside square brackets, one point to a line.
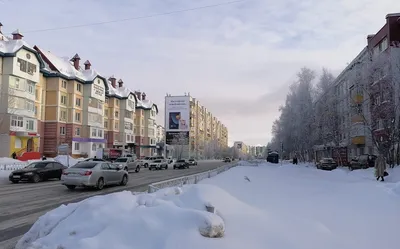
[22, 204]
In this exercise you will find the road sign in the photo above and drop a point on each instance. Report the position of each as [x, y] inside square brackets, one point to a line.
[63, 148]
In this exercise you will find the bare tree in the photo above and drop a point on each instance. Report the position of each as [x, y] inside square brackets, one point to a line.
[180, 144]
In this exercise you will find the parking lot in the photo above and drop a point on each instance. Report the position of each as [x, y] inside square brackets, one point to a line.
[22, 204]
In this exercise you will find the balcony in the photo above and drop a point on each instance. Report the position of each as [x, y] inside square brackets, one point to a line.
[360, 140]
[357, 119]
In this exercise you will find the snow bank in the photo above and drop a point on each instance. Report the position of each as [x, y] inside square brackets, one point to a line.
[63, 159]
[288, 207]
[8, 160]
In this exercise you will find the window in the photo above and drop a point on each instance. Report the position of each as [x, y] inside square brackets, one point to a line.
[131, 104]
[94, 132]
[37, 95]
[134, 130]
[64, 84]
[26, 67]
[116, 125]
[153, 113]
[62, 130]
[30, 125]
[94, 147]
[31, 88]
[117, 102]
[29, 105]
[76, 146]
[17, 84]
[128, 126]
[100, 146]
[100, 133]
[106, 100]
[106, 112]
[63, 99]
[96, 118]
[17, 121]
[142, 121]
[63, 115]
[142, 132]
[116, 114]
[78, 102]
[78, 87]
[77, 132]
[77, 117]
[106, 124]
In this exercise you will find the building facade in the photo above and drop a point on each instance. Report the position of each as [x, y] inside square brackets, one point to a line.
[48, 100]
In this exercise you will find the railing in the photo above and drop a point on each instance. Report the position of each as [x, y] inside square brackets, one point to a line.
[190, 179]
[12, 166]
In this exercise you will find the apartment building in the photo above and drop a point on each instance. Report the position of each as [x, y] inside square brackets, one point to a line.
[241, 147]
[21, 113]
[185, 114]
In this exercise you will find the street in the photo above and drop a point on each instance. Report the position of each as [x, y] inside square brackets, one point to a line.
[22, 204]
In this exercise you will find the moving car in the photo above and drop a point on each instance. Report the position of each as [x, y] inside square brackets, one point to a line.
[192, 162]
[327, 164]
[147, 160]
[93, 160]
[158, 164]
[93, 174]
[38, 171]
[127, 164]
[227, 160]
[181, 164]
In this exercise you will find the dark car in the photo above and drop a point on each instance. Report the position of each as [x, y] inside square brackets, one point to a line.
[361, 162]
[227, 160]
[327, 164]
[181, 164]
[38, 171]
[192, 162]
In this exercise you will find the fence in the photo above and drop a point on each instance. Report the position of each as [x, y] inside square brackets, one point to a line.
[12, 166]
[190, 179]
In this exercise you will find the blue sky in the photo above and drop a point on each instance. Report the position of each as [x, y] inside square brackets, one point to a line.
[236, 59]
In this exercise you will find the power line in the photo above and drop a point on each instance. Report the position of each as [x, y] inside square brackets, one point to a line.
[134, 18]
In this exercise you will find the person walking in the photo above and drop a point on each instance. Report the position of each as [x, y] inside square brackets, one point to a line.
[380, 167]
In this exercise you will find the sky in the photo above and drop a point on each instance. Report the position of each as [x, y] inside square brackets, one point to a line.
[237, 60]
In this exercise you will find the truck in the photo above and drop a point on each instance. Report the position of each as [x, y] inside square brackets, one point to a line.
[111, 154]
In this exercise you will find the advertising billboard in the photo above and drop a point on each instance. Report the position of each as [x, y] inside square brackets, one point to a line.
[177, 113]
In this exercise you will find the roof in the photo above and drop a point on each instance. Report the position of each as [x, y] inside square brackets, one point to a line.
[10, 47]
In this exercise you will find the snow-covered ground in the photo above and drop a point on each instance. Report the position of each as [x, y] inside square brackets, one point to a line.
[270, 206]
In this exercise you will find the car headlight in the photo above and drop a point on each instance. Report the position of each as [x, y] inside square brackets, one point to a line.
[29, 173]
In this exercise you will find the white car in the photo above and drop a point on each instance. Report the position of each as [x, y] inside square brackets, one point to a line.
[127, 164]
[158, 164]
[148, 160]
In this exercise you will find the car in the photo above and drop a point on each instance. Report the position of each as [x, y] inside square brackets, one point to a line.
[127, 164]
[147, 160]
[361, 162]
[192, 162]
[181, 164]
[327, 164]
[227, 160]
[94, 174]
[38, 171]
[94, 159]
[158, 164]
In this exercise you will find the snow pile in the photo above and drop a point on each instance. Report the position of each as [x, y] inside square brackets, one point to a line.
[288, 207]
[8, 160]
[63, 159]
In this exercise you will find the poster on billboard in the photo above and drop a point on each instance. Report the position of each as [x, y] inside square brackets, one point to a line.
[177, 113]
[177, 138]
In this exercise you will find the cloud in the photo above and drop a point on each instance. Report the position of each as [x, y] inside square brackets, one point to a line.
[236, 59]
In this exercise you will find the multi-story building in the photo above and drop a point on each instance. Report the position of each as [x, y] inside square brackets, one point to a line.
[185, 114]
[241, 147]
[21, 112]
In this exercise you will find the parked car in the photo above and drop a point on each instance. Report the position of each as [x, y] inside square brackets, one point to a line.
[147, 160]
[227, 160]
[127, 164]
[158, 164]
[181, 164]
[38, 171]
[327, 164]
[93, 174]
[192, 162]
[360, 162]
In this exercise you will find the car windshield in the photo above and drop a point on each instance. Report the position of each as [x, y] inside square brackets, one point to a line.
[37, 165]
[85, 165]
[123, 160]
[157, 161]
[146, 158]
[181, 161]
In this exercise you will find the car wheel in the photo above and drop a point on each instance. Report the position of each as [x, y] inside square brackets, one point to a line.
[149, 168]
[124, 180]
[36, 178]
[166, 166]
[174, 167]
[71, 187]
[137, 169]
[15, 181]
[100, 184]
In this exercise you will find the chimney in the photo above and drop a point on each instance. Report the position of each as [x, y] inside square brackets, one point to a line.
[76, 60]
[138, 95]
[87, 65]
[113, 81]
[1, 25]
[120, 83]
[143, 96]
[17, 35]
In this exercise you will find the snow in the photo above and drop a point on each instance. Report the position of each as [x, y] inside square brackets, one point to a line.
[12, 46]
[270, 206]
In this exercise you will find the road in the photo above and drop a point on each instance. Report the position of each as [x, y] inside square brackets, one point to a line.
[22, 204]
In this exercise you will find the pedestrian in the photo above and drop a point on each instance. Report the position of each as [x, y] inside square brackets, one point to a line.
[380, 167]
[370, 161]
[14, 155]
[44, 158]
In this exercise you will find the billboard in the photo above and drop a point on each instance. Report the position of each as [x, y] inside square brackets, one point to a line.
[177, 113]
[177, 138]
